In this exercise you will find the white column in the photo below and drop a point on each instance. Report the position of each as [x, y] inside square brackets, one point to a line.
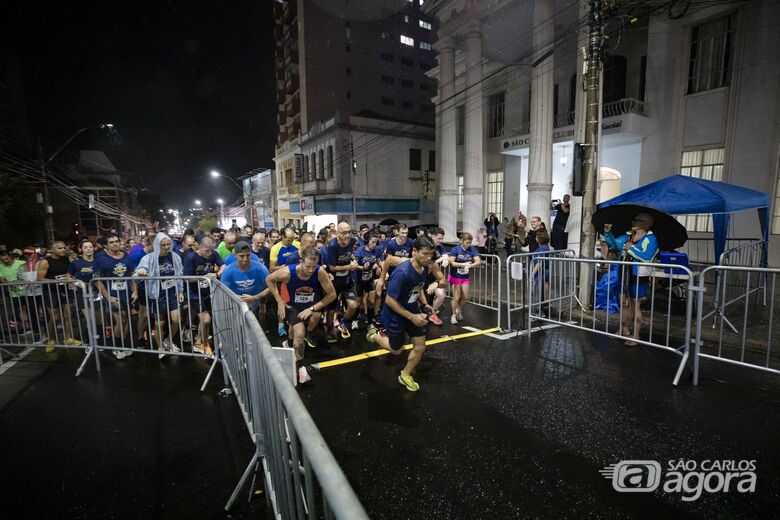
[446, 119]
[474, 174]
[542, 81]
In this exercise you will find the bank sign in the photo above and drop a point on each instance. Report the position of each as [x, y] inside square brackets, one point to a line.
[307, 205]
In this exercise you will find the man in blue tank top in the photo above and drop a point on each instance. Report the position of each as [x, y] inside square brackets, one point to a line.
[401, 314]
[311, 291]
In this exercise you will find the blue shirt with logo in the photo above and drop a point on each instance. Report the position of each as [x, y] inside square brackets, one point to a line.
[404, 286]
[251, 282]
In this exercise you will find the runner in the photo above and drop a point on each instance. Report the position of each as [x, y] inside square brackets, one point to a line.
[165, 296]
[462, 258]
[279, 253]
[55, 267]
[401, 314]
[203, 262]
[341, 264]
[311, 291]
[83, 269]
[119, 296]
[246, 278]
[10, 271]
[307, 240]
[440, 259]
[226, 246]
[366, 276]
[34, 291]
[260, 249]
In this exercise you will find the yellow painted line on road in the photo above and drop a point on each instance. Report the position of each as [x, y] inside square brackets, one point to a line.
[383, 352]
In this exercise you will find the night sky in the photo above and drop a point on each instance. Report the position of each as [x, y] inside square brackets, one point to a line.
[189, 85]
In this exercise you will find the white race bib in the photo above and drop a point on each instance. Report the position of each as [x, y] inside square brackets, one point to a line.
[167, 284]
[61, 277]
[304, 297]
[463, 270]
[203, 284]
[342, 273]
[367, 275]
[119, 286]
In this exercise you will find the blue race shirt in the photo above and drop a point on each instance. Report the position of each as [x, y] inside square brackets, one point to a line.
[264, 255]
[196, 265]
[404, 286]
[462, 256]
[167, 287]
[251, 282]
[109, 267]
[303, 293]
[393, 248]
[83, 270]
[364, 258]
[341, 255]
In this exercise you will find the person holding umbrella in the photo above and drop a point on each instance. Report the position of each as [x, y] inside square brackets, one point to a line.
[638, 245]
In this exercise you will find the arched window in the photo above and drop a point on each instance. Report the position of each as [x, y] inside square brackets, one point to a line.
[330, 162]
[322, 165]
[313, 171]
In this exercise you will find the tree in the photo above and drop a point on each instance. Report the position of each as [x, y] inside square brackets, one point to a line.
[207, 222]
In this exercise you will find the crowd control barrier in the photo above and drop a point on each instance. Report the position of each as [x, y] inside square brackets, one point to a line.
[743, 329]
[485, 287]
[666, 292]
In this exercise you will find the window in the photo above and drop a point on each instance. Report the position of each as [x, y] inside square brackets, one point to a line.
[702, 164]
[349, 94]
[425, 87]
[406, 83]
[555, 100]
[425, 45]
[406, 40]
[614, 87]
[322, 165]
[415, 159]
[386, 57]
[460, 124]
[347, 23]
[496, 114]
[642, 78]
[431, 160]
[306, 166]
[425, 25]
[406, 18]
[712, 51]
[495, 193]
[407, 104]
[388, 102]
[349, 71]
[313, 164]
[425, 66]
[388, 79]
[330, 162]
[407, 62]
[460, 198]
[347, 48]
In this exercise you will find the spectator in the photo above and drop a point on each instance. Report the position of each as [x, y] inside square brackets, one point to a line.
[560, 238]
[491, 225]
[482, 238]
[530, 237]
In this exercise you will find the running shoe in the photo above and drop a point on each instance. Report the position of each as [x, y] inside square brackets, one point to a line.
[199, 348]
[460, 315]
[434, 318]
[344, 330]
[303, 376]
[408, 382]
[454, 320]
[355, 325]
[309, 342]
[281, 330]
[186, 335]
[208, 350]
[333, 336]
[371, 334]
[173, 347]
[72, 341]
[50, 346]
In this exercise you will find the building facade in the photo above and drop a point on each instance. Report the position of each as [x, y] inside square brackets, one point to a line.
[691, 92]
[355, 117]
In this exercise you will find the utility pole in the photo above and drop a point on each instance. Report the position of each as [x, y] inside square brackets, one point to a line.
[590, 150]
[48, 229]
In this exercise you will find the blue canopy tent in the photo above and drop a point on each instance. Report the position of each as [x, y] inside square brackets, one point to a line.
[681, 195]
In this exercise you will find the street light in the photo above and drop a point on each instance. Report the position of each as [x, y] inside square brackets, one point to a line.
[197, 202]
[215, 174]
[221, 209]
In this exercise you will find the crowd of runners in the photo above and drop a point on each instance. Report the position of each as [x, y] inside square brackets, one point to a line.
[309, 288]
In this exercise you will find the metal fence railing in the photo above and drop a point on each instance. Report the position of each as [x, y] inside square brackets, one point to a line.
[744, 328]
[701, 250]
[485, 284]
[616, 292]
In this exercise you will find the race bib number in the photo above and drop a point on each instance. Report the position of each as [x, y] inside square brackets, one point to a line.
[304, 297]
[168, 284]
[203, 284]
[61, 277]
[414, 296]
[119, 286]
[463, 270]
[342, 273]
[367, 275]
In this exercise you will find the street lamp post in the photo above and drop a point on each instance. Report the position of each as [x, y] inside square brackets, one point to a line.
[49, 224]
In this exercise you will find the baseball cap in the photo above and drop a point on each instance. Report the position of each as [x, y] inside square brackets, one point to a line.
[28, 250]
[242, 247]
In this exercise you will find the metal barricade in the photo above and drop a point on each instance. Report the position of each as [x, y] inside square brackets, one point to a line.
[730, 286]
[743, 295]
[701, 250]
[516, 289]
[302, 477]
[170, 320]
[666, 291]
[49, 313]
[485, 285]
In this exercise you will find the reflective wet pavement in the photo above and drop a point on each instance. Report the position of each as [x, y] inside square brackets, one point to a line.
[500, 429]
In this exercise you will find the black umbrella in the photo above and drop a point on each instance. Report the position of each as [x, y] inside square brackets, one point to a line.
[667, 229]
[389, 222]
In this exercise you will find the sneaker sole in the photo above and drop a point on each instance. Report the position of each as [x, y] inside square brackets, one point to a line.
[407, 386]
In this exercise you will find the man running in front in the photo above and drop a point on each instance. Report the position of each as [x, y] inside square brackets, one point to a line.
[310, 291]
[401, 314]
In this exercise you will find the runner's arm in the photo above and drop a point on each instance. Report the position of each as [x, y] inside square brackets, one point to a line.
[41, 269]
[327, 285]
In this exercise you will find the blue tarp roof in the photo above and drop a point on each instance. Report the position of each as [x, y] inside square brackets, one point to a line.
[681, 195]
